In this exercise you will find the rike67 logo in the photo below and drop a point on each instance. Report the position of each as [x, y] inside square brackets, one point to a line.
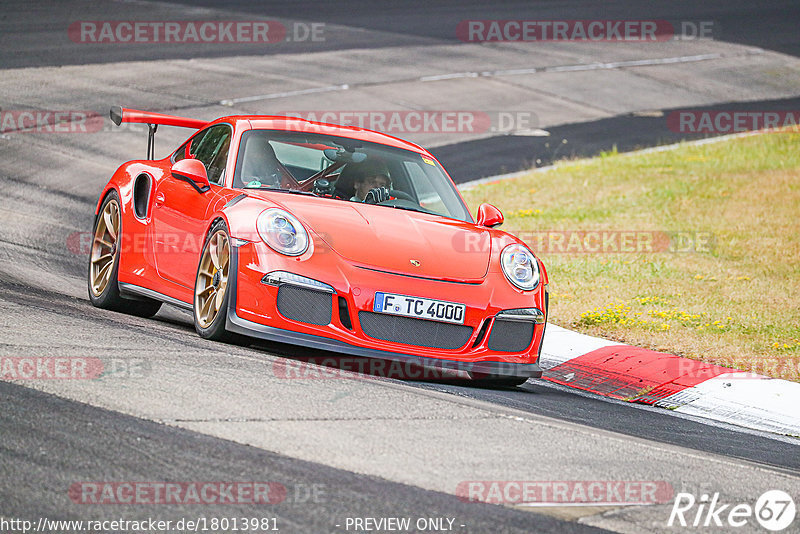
[774, 510]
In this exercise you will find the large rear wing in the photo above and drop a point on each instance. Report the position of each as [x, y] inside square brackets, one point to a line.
[152, 120]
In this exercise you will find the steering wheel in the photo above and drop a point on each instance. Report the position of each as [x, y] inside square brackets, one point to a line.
[380, 195]
[401, 195]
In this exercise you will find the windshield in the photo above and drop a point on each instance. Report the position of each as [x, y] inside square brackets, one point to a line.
[346, 169]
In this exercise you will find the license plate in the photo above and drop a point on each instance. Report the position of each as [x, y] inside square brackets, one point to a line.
[419, 308]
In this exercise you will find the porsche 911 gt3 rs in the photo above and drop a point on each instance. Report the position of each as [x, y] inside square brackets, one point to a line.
[325, 236]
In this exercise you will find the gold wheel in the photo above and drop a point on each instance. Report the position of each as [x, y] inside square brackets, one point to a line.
[104, 248]
[212, 279]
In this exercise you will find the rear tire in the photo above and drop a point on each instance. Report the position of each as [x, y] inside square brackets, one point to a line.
[104, 264]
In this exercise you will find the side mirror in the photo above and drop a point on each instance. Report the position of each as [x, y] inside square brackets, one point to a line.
[489, 216]
[194, 172]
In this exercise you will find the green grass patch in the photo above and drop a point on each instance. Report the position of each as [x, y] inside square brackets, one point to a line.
[730, 295]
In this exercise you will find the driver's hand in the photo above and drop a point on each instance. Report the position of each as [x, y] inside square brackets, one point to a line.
[377, 195]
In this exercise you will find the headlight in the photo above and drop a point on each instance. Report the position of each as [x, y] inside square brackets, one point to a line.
[282, 232]
[520, 267]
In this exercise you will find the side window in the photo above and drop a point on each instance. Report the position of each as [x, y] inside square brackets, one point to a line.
[216, 169]
[194, 144]
[191, 145]
[426, 192]
[212, 150]
[210, 147]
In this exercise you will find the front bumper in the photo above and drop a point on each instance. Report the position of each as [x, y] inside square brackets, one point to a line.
[252, 312]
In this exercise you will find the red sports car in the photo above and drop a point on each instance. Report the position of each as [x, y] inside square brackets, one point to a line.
[326, 236]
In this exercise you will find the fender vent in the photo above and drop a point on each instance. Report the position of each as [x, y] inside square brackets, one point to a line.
[141, 196]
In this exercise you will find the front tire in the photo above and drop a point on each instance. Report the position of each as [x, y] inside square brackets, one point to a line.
[104, 264]
[211, 295]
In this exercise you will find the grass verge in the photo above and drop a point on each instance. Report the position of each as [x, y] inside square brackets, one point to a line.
[693, 251]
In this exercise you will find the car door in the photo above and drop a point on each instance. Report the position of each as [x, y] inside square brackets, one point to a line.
[180, 212]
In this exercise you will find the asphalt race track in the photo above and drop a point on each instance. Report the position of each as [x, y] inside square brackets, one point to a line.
[179, 408]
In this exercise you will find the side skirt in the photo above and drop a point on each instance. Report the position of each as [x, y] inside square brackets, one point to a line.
[139, 291]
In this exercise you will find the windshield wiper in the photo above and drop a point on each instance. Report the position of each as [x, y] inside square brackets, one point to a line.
[419, 209]
[280, 190]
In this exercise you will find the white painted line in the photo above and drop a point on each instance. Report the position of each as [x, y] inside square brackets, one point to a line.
[605, 66]
[542, 383]
[663, 148]
[511, 72]
[745, 400]
[762, 403]
[635, 63]
[438, 77]
[531, 132]
[490, 73]
[313, 90]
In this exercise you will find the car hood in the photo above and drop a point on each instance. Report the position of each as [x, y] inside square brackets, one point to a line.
[397, 241]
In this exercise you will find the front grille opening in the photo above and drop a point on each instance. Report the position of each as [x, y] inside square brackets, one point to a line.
[482, 332]
[417, 332]
[344, 314]
[304, 305]
[510, 336]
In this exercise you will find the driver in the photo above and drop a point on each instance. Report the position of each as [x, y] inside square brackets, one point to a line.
[371, 182]
[261, 165]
